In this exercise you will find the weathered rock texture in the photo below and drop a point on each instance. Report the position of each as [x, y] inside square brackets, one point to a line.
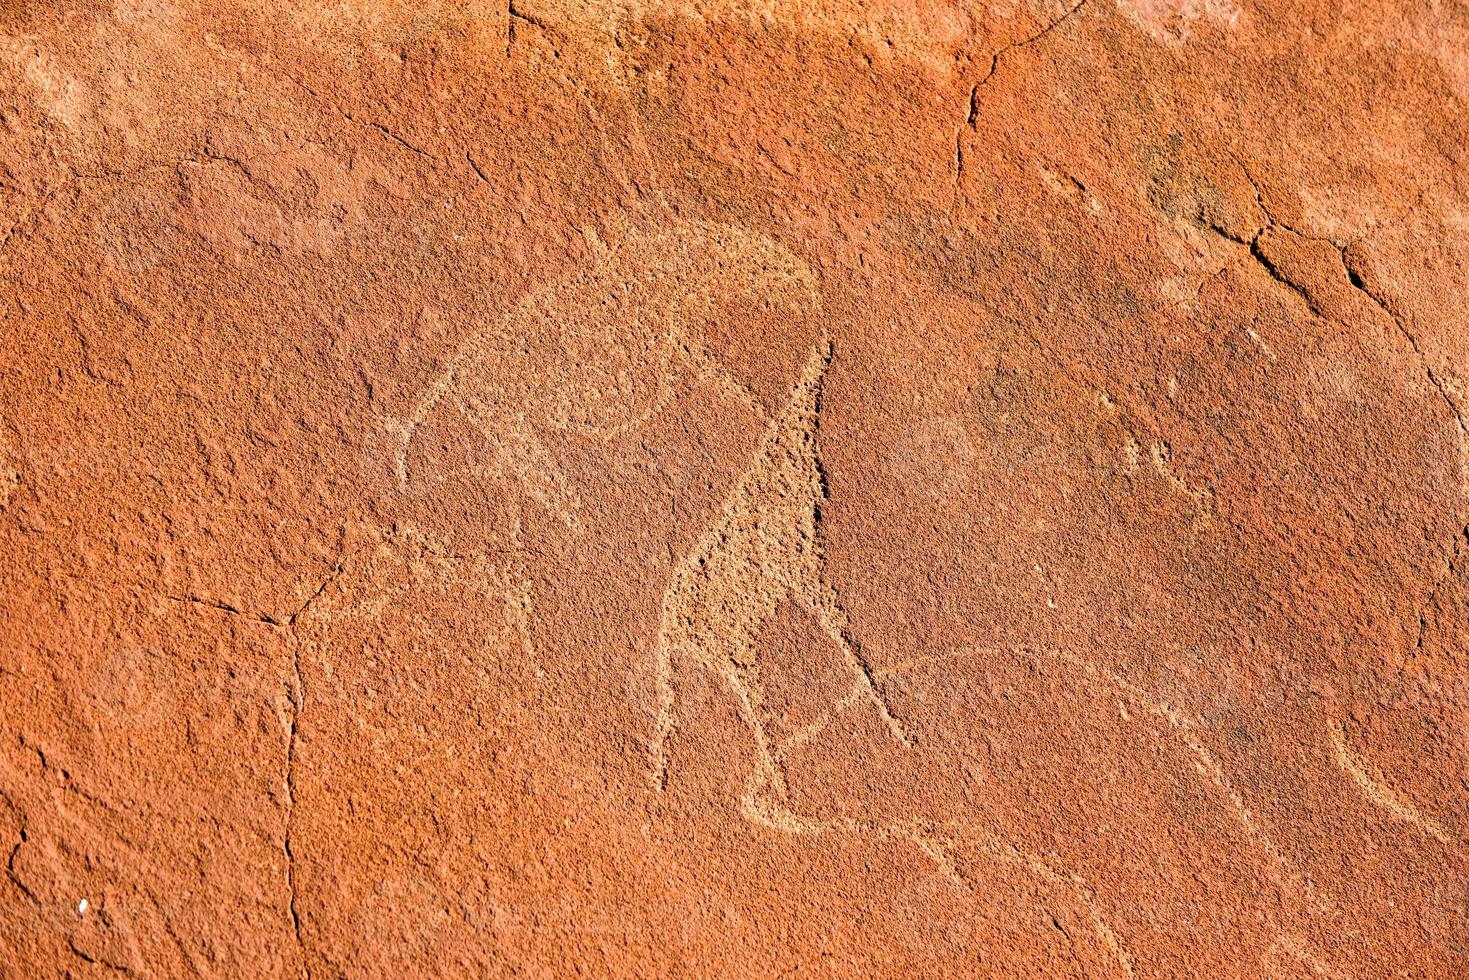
[720, 489]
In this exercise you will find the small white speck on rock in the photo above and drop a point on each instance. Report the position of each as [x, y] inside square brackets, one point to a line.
[82, 907]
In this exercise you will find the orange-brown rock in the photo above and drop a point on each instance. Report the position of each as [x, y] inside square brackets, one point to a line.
[821, 488]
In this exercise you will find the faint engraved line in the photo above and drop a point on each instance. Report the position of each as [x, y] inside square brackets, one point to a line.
[1204, 762]
[437, 389]
[32, 216]
[804, 734]
[1005, 851]
[518, 453]
[525, 457]
[1375, 788]
[519, 597]
[706, 367]
[758, 808]
[1161, 454]
[610, 161]
[941, 847]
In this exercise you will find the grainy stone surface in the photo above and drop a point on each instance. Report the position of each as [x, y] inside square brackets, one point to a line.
[719, 489]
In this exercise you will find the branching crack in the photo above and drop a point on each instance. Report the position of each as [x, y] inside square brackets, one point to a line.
[297, 695]
[1354, 277]
[974, 97]
[1359, 283]
[531, 19]
[336, 573]
[268, 619]
[514, 14]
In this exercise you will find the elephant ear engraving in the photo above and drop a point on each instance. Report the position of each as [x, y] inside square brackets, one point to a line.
[595, 355]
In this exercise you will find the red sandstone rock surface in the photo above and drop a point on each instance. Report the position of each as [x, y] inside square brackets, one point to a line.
[721, 489]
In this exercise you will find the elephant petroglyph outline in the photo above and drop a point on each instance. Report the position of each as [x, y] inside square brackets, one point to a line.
[766, 548]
